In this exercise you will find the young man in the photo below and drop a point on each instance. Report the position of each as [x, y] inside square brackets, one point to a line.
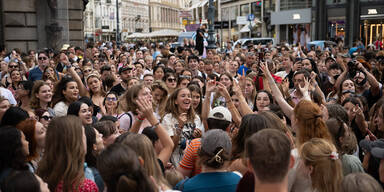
[269, 158]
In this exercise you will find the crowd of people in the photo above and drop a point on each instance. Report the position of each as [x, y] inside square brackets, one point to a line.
[148, 117]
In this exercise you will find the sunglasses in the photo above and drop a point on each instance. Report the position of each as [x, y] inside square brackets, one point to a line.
[13, 66]
[111, 99]
[87, 71]
[171, 80]
[43, 58]
[47, 118]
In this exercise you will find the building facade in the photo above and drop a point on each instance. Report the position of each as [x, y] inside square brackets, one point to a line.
[294, 21]
[165, 14]
[101, 22]
[351, 20]
[38, 24]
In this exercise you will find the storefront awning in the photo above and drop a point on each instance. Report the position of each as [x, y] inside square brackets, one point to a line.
[296, 16]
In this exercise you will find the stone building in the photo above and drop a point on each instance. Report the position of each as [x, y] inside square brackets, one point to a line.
[37, 24]
[164, 14]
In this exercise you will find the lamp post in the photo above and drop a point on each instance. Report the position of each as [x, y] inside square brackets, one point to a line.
[117, 23]
[211, 30]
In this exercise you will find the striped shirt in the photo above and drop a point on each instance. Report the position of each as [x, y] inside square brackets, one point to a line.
[190, 158]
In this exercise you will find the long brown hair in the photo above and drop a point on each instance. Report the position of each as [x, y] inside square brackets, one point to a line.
[35, 102]
[130, 96]
[64, 155]
[327, 173]
[171, 106]
[309, 122]
[144, 149]
[28, 127]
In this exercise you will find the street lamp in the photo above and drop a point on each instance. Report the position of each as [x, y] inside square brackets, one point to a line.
[211, 30]
[117, 23]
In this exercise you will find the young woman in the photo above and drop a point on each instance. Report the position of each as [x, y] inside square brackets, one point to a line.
[111, 104]
[181, 121]
[183, 81]
[66, 92]
[158, 72]
[122, 171]
[82, 110]
[249, 92]
[262, 101]
[62, 165]
[16, 79]
[14, 150]
[43, 117]
[129, 106]
[159, 95]
[49, 73]
[227, 81]
[34, 133]
[197, 100]
[94, 147]
[96, 91]
[4, 106]
[41, 97]
[171, 81]
[179, 66]
[153, 163]
[322, 165]
[250, 124]
[23, 95]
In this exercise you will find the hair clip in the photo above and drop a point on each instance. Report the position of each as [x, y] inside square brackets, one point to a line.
[334, 155]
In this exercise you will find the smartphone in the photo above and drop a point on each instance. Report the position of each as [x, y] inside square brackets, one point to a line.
[261, 56]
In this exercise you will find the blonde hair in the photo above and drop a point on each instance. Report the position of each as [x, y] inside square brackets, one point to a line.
[327, 173]
[144, 148]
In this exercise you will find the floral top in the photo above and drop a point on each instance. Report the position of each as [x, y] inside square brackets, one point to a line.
[171, 124]
[86, 186]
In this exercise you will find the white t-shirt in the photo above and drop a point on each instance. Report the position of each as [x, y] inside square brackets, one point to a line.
[8, 95]
[60, 109]
[170, 124]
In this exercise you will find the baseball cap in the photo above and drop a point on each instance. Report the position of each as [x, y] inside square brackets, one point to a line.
[125, 68]
[220, 113]
[214, 139]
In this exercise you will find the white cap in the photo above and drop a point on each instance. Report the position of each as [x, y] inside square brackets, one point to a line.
[220, 113]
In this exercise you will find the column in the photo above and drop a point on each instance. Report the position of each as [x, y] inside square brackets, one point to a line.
[321, 20]
[277, 27]
[353, 22]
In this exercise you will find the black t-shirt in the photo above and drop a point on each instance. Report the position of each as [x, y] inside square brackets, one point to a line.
[118, 89]
[198, 36]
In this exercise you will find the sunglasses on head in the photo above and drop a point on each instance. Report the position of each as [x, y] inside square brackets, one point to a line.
[43, 58]
[47, 118]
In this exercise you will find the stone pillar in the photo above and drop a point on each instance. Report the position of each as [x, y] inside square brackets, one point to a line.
[321, 20]
[353, 22]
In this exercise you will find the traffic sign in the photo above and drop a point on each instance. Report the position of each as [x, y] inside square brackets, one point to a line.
[251, 17]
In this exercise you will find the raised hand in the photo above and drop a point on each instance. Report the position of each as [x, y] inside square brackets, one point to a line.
[223, 90]
[305, 88]
[145, 108]
[211, 86]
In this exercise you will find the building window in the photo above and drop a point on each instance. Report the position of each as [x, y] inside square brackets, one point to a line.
[244, 10]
